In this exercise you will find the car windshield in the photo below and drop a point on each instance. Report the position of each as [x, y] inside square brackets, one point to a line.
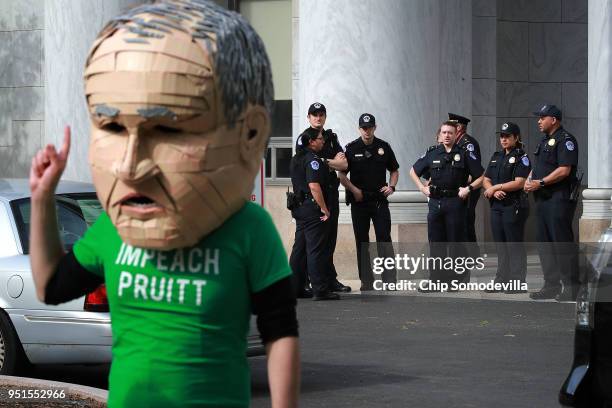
[75, 213]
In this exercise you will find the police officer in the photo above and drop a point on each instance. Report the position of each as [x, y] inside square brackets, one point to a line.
[553, 182]
[334, 157]
[309, 179]
[369, 158]
[503, 182]
[467, 142]
[449, 167]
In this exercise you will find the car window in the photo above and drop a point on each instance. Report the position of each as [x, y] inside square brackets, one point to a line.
[75, 213]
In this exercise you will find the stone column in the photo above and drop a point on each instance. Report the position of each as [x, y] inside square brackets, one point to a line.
[408, 62]
[597, 211]
[70, 29]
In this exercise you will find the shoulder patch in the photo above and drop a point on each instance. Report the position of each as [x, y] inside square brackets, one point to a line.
[570, 145]
[473, 156]
[470, 147]
[314, 164]
[525, 161]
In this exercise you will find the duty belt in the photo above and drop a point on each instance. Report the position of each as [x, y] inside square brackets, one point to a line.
[436, 192]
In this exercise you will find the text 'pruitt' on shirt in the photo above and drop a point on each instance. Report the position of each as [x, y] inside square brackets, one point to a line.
[193, 260]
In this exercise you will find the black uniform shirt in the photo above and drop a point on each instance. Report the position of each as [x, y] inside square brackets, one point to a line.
[504, 168]
[307, 167]
[368, 164]
[470, 144]
[331, 148]
[558, 149]
[449, 171]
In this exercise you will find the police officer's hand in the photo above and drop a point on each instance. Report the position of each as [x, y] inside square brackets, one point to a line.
[500, 195]
[325, 216]
[339, 156]
[387, 191]
[425, 191]
[531, 185]
[464, 192]
[358, 194]
[489, 192]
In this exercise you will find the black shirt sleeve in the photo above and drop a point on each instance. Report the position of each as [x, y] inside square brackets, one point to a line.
[70, 281]
[523, 167]
[568, 152]
[392, 164]
[335, 147]
[476, 148]
[474, 167]
[314, 172]
[275, 310]
[347, 153]
[422, 165]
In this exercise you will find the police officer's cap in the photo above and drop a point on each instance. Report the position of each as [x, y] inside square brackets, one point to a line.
[549, 110]
[367, 120]
[316, 108]
[458, 118]
[510, 128]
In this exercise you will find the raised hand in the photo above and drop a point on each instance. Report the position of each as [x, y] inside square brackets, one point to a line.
[47, 168]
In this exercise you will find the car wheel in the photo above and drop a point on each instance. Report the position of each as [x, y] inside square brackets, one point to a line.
[11, 352]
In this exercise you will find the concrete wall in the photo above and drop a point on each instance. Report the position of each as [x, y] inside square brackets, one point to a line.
[526, 53]
[21, 84]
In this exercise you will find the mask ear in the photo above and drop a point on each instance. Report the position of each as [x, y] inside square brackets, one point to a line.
[254, 136]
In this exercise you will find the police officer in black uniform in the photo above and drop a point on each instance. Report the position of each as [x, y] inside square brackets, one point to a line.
[449, 167]
[503, 182]
[467, 142]
[309, 175]
[555, 187]
[369, 158]
[334, 157]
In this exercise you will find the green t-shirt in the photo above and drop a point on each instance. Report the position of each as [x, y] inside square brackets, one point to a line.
[180, 318]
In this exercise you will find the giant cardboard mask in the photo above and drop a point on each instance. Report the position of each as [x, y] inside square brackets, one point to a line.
[179, 94]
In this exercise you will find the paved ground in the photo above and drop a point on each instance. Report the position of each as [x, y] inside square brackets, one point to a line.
[425, 351]
[452, 350]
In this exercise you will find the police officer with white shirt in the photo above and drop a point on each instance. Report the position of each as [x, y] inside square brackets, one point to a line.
[554, 184]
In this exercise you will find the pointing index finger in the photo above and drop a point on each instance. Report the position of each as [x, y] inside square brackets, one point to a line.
[63, 154]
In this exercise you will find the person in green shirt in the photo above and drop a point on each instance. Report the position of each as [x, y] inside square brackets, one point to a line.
[179, 94]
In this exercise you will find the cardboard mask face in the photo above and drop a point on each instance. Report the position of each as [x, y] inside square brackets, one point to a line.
[168, 165]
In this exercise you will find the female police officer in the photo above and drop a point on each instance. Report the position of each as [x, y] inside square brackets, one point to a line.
[449, 168]
[309, 178]
[503, 182]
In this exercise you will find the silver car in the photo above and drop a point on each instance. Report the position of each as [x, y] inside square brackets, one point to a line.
[77, 332]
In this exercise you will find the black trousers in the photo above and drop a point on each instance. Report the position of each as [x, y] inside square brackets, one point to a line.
[558, 251]
[508, 227]
[334, 211]
[446, 231]
[471, 215]
[377, 212]
[309, 255]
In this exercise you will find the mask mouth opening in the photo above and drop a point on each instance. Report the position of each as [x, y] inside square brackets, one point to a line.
[137, 200]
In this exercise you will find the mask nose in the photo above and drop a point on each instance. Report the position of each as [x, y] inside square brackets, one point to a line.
[132, 167]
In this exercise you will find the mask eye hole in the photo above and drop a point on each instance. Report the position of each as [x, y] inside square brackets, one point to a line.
[113, 127]
[167, 129]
